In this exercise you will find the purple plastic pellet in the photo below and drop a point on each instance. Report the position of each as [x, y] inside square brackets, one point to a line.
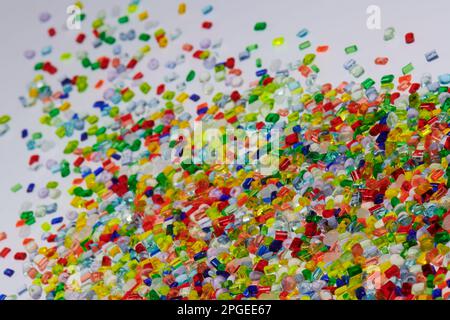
[153, 64]
[44, 17]
[50, 164]
[43, 193]
[205, 43]
[209, 63]
[29, 54]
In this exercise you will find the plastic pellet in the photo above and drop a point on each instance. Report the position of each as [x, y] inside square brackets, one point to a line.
[304, 45]
[207, 9]
[407, 68]
[381, 61]
[44, 17]
[431, 56]
[16, 187]
[351, 49]
[29, 54]
[8, 272]
[409, 37]
[302, 33]
[389, 34]
[260, 26]
[278, 41]
[182, 8]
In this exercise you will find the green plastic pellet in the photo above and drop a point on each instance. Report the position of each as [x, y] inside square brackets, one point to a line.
[387, 78]
[71, 146]
[408, 68]
[36, 136]
[52, 184]
[136, 145]
[60, 132]
[309, 58]
[16, 187]
[260, 26]
[114, 111]
[272, 117]
[318, 97]
[367, 83]
[65, 56]
[30, 221]
[100, 131]
[92, 130]
[159, 129]
[65, 171]
[92, 119]
[82, 86]
[304, 45]
[123, 19]
[54, 112]
[168, 95]
[128, 95]
[315, 68]
[5, 119]
[144, 37]
[190, 76]
[25, 215]
[351, 49]
[45, 119]
[278, 41]
[97, 23]
[145, 88]
[38, 66]
[95, 66]
[110, 40]
[85, 62]
[252, 47]
[258, 63]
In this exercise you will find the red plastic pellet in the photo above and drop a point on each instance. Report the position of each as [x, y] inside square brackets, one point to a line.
[51, 32]
[5, 251]
[409, 37]
[80, 38]
[207, 25]
[20, 256]
[33, 159]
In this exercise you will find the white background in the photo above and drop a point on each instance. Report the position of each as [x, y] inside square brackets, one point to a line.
[334, 23]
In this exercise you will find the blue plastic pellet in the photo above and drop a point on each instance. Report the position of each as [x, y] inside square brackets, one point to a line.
[51, 208]
[444, 78]
[244, 55]
[207, 9]
[30, 187]
[98, 171]
[432, 55]
[84, 136]
[46, 50]
[8, 272]
[349, 64]
[116, 156]
[57, 220]
[261, 72]
[117, 49]
[302, 33]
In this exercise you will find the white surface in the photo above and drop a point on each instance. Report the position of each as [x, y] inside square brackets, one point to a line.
[334, 23]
